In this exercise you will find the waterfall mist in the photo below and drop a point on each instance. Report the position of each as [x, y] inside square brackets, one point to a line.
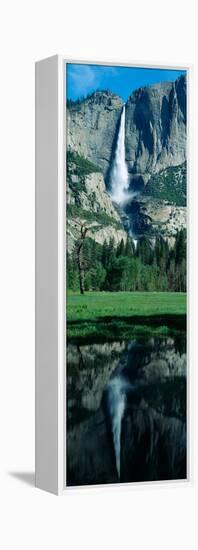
[119, 175]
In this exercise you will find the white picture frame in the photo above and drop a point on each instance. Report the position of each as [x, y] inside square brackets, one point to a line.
[50, 307]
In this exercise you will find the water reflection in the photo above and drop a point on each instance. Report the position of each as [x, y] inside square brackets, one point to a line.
[126, 411]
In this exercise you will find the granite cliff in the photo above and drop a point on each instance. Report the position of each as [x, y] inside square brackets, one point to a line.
[89, 203]
[93, 126]
[156, 129]
[155, 148]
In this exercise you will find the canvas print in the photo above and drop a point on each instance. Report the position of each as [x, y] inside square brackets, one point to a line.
[126, 229]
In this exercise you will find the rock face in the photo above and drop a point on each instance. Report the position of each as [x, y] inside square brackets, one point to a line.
[155, 145]
[88, 202]
[156, 128]
[155, 218]
[92, 127]
[94, 196]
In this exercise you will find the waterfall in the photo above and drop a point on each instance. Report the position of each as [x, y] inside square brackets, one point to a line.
[135, 241]
[119, 174]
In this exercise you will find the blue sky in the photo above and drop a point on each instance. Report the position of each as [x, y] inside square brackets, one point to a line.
[84, 79]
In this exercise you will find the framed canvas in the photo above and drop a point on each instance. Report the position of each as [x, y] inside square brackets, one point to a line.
[112, 178]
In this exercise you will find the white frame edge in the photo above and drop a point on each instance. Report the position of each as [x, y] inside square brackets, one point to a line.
[50, 276]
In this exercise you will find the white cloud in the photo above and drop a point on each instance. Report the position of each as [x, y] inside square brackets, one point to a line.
[86, 77]
[83, 78]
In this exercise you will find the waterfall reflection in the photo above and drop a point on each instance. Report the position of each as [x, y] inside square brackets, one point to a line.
[126, 416]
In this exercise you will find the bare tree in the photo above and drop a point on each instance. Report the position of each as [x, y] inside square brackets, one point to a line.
[79, 254]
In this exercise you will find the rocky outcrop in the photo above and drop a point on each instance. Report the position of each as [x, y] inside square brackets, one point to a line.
[93, 197]
[106, 234]
[95, 231]
[89, 203]
[92, 127]
[154, 218]
[156, 128]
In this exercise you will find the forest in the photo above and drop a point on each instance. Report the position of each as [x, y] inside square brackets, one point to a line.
[152, 267]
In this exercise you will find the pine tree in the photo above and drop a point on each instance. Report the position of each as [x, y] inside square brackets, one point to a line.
[180, 246]
[129, 247]
[120, 249]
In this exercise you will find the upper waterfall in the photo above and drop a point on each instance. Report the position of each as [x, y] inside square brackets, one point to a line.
[119, 175]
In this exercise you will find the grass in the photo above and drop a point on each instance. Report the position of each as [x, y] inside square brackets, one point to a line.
[97, 316]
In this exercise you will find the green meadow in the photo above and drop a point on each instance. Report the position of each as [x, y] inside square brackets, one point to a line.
[97, 316]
